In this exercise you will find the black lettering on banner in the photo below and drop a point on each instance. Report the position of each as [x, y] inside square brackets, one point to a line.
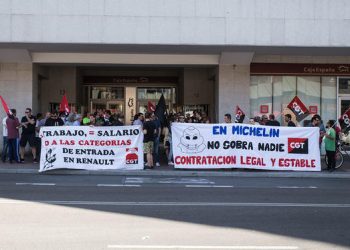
[67, 151]
[213, 144]
[68, 159]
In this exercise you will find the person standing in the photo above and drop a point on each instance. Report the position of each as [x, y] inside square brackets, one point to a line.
[139, 118]
[329, 140]
[28, 134]
[149, 130]
[13, 125]
[156, 138]
[272, 121]
[54, 120]
[5, 147]
[316, 121]
[288, 120]
[227, 118]
[40, 121]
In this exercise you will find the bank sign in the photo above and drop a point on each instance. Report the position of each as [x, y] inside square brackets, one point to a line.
[212, 146]
[91, 148]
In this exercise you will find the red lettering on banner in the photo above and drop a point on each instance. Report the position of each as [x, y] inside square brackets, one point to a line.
[104, 143]
[296, 163]
[67, 142]
[255, 161]
[205, 160]
[273, 161]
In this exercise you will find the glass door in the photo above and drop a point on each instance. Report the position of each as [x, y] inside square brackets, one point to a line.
[343, 95]
[343, 105]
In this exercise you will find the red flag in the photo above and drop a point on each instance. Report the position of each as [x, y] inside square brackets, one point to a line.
[4, 104]
[64, 107]
[298, 108]
[239, 115]
[345, 119]
[151, 107]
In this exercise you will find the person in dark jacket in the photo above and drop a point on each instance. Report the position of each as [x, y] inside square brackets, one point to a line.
[54, 120]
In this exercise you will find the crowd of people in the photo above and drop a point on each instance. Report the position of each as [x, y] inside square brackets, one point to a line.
[156, 130]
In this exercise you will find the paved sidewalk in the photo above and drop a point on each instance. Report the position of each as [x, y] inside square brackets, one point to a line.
[164, 170]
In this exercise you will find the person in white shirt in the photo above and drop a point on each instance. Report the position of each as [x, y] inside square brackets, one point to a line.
[5, 147]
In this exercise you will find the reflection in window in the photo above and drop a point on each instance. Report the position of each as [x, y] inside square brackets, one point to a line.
[278, 91]
[107, 93]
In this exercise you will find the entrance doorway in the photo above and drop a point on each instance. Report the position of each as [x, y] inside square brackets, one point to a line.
[106, 97]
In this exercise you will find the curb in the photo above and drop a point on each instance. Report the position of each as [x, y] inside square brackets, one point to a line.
[183, 173]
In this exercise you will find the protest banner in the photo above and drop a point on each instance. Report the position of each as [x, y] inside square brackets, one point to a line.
[212, 146]
[91, 148]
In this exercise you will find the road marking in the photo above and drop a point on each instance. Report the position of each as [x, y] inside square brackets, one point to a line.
[208, 186]
[35, 184]
[117, 185]
[312, 187]
[193, 204]
[202, 247]
[148, 180]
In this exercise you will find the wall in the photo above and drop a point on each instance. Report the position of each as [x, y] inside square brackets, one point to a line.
[212, 22]
[233, 88]
[198, 88]
[59, 78]
[16, 87]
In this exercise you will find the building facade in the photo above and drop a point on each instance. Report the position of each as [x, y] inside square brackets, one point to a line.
[201, 54]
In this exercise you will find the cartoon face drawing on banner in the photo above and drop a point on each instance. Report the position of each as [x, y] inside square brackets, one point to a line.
[192, 141]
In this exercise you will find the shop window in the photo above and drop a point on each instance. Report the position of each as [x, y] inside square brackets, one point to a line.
[107, 93]
[153, 94]
[344, 86]
[276, 92]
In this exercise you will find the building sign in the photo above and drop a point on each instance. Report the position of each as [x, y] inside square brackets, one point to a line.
[264, 109]
[299, 69]
[213, 146]
[91, 148]
[128, 79]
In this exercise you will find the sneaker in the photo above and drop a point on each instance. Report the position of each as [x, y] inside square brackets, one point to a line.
[35, 161]
[157, 164]
[21, 160]
[170, 163]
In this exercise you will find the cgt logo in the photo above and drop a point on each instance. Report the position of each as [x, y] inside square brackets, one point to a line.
[298, 145]
[131, 156]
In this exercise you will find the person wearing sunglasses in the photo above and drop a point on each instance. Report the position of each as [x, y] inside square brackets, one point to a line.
[54, 120]
[28, 123]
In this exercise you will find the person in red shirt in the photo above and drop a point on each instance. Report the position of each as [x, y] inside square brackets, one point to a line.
[13, 125]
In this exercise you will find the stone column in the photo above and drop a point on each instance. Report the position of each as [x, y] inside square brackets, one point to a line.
[232, 88]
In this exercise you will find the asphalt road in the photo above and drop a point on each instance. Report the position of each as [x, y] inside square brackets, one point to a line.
[116, 212]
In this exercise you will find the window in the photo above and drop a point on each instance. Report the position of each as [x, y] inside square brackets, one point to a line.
[278, 91]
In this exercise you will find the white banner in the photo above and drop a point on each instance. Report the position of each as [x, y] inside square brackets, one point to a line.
[236, 145]
[91, 148]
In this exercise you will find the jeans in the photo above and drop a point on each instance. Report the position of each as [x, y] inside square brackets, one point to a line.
[156, 149]
[170, 156]
[13, 149]
[5, 149]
